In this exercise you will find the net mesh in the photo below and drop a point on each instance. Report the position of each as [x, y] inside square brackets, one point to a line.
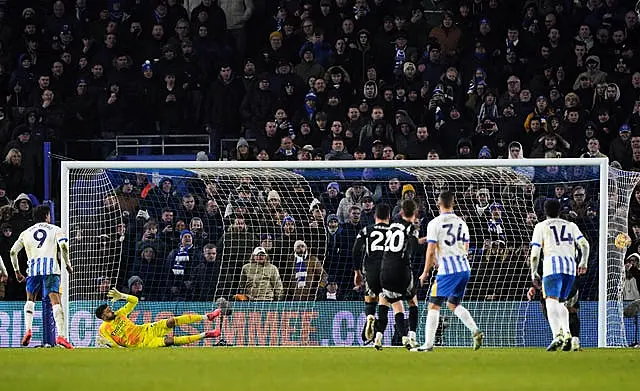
[621, 186]
[127, 229]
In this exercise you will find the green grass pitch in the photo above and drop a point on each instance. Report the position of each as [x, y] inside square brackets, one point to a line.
[328, 369]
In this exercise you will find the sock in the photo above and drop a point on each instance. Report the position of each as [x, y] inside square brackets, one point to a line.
[370, 308]
[464, 315]
[400, 324]
[58, 316]
[574, 324]
[413, 319]
[383, 318]
[186, 339]
[433, 318]
[564, 318]
[29, 307]
[553, 317]
[189, 318]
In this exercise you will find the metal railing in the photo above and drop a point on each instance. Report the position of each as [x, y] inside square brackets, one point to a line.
[121, 145]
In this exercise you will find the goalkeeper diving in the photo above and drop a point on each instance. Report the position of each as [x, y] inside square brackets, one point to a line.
[117, 330]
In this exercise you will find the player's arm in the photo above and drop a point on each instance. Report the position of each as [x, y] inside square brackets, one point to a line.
[430, 256]
[536, 247]
[3, 271]
[128, 308]
[583, 245]
[104, 340]
[63, 245]
[13, 253]
[357, 257]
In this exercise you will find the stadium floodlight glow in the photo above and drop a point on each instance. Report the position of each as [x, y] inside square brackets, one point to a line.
[100, 248]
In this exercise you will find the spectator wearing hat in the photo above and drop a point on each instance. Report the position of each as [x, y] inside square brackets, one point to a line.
[178, 269]
[128, 199]
[259, 279]
[331, 197]
[353, 196]
[257, 106]
[308, 66]
[302, 273]
[408, 193]
[497, 236]
[289, 233]
[620, 149]
[243, 151]
[367, 216]
[135, 287]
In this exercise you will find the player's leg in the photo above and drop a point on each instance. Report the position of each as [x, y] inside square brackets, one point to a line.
[52, 289]
[370, 304]
[187, 339]
[34, 285]
[383, 321]
[433, 318]
[551, 290]
[413, 321]
[567, 285]
[191, 318]
[459, 282]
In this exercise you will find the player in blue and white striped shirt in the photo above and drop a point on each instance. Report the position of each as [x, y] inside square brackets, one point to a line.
[557, 239]
[41, 242]
[448, 238]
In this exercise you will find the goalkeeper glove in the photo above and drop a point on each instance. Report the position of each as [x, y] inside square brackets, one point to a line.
[116, 295]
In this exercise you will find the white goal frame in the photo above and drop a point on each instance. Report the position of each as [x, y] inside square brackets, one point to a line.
[602, 163]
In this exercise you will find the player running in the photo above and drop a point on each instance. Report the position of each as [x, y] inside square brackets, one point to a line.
[371, 239]
[41, 242]
[448, 238]
[557, 239]
[396, 277]
[118, 330]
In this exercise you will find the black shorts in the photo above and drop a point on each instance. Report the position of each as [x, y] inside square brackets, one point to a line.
[397, 285]
[372, 280]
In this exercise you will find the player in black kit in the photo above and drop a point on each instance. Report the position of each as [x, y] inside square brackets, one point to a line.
[397, 278]
[371, 240]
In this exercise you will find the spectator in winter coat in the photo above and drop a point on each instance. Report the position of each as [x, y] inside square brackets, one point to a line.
[260, 280]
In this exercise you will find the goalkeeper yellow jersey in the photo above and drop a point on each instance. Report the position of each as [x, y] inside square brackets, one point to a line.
[122, 330]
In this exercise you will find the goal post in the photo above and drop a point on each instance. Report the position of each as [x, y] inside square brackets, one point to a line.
[105, 237]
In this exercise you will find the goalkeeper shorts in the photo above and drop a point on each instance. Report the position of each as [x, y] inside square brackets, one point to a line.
[153, 334]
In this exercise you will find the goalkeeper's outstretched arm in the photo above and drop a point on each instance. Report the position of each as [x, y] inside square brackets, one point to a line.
[128, 308]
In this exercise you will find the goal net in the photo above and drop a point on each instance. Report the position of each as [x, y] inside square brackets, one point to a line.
[275, 240]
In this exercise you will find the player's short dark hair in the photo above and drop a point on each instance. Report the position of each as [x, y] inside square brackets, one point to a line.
[446, 198]
[552, 208]
[383, 211]
[409, 208]
[40, 213]
[100, 310]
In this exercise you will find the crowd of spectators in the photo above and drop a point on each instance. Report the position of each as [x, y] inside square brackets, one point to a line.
[313, 79]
